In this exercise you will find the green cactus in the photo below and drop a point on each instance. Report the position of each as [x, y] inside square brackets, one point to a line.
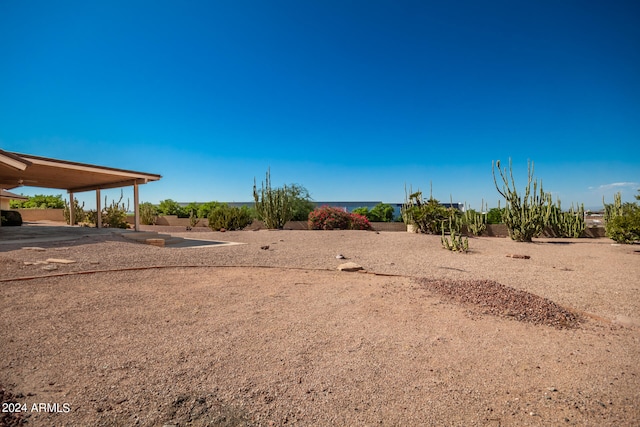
[273, 205]
[457, 243]
[614, 209]
[566, 224]
[525, 217]
[476, 222]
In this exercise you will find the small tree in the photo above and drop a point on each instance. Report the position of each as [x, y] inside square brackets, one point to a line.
[525, 217]
[273, 205]
[301, 204]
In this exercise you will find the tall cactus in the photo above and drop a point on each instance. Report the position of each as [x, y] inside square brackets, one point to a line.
[525, 217]
[567, 224]
[476, 222]
[614, 209]
[273, 205]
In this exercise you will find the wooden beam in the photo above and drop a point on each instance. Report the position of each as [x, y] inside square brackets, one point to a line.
[136, 207]
[72, 210]
[104, 186]
[98, 210]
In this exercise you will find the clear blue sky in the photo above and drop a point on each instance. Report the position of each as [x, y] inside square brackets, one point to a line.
[352, 99]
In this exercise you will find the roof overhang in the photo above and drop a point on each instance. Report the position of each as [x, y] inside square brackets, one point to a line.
[4, 194]
[33, 171]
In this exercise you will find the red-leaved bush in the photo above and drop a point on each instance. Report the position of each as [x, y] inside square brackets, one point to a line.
[328, 218]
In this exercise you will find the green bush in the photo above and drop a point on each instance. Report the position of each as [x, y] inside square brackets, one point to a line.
[171, 207]
[229, 218]
[39, 201]
[427, 216]
[148, 213]
[623, 221]
[381, 212]
[494, 216]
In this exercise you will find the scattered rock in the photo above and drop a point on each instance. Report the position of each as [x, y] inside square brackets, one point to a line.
[50, 267]
[265, 247]
[350, 266]
[518, 256]
[60, 261]
[340, 256]
[34, 248]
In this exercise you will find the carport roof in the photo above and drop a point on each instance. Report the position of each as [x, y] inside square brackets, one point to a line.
[24, 169]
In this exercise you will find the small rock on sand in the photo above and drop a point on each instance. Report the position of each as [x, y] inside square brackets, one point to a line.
[350, 266]
[60, 261]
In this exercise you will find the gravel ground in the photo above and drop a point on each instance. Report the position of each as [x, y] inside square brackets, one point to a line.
[278, 336]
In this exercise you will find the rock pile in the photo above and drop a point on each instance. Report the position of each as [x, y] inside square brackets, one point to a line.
[499, 300]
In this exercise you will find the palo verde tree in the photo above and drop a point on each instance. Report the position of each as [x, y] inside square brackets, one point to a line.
[524, 215]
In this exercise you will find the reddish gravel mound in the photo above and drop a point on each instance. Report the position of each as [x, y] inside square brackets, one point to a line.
[499, 300]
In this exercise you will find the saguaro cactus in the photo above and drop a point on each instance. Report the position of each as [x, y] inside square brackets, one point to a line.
[273, 205]
[525, 217]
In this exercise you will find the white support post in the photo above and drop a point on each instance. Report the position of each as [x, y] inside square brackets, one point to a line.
[98, 210]
[136, 207]
[72, 209]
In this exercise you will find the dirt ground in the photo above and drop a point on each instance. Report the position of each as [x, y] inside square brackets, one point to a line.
[132, 334]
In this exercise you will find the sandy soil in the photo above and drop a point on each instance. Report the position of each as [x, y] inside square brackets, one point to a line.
[132, 334]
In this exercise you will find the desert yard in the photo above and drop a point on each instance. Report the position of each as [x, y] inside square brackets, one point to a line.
[269, 332]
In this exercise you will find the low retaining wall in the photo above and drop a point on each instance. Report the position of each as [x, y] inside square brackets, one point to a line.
[493, 230]
[41, 214]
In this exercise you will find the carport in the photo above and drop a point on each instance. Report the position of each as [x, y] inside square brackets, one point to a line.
[24, 169]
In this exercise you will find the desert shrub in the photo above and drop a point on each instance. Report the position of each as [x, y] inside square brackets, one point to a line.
[625, 228]
[79, 214]
[39, 201]
[204, 209]
[115, 214]
[623, 220]
[494, 216]
[171, 207]
[358, 222]
[427, 216]
[229, 218]
[148, 213]
[330, 218]
[381, 212]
